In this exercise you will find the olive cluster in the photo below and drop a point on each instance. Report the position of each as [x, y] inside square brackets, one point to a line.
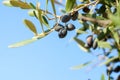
[62, 29]
[91, 42]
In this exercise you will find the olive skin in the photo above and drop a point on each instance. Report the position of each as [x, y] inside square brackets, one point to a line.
[86, 9]
[62, 33]
[90, 40]
[117, 69]
[75, 16]
[70, 27]
[57, 27]
[65, 18]
[95, 45]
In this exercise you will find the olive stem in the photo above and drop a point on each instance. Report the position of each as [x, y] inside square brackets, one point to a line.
[102, 23]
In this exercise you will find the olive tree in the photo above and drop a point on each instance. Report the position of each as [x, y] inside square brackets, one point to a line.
[99, 20]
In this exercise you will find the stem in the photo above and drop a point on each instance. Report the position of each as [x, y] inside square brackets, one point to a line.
[102, 23]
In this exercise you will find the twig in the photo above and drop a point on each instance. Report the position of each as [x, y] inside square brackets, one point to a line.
[102, 23]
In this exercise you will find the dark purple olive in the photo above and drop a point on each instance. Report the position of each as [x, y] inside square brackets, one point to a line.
[70, 27]
[95, 44]
[75, 16]
[90, 40]
[57, 27]
[65, 18]
[118, 78]
[62, 33]
[117, 69]
[86, 9]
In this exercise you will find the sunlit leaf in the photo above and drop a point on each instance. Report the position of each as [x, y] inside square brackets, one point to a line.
[43, 34]
[31, 26]
[81, 44]
[102, 77]
[103, 44]
[20, 4]
[108, 61]
[53, 6]
[69, 5]
[22, 43]
[7, 3]
[80, 66]
[46, 5]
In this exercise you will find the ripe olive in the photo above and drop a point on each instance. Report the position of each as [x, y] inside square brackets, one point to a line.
[118, 78]
[117, 69]
[57, 27]
[65, 18]
[75, 16]
[86, 9]
[90, 40]
[62, 33]
[95, 45]
[70, 27]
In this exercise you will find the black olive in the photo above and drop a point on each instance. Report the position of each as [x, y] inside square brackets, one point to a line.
[65, 18]
[86, 9]
[75, 16]
[95, 44]
[70, 27]
[90, 40]
[117, 69]
[118, 78]
[57, 27]
[62, 33]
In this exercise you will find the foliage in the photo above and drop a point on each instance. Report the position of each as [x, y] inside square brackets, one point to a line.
[103, 29]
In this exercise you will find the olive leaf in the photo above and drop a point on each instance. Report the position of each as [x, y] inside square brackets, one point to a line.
[45, 22]
[81, 44]
[22, 43]
[69, 5]
[7, 3]
[103, 44]
[53, 6]
[20, 4]
[102, 77]
[108, 61]
[80, 66]
[31, 26]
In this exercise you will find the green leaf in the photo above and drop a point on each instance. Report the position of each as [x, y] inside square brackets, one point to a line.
[81, 44]
[103, 44]
[53, 6]
[45, 22]
[20, 4]
[69, 5]
[32, 5]
[31, 26]
[108, 61]
[102, 77]
[7, 3]
[116, 36]
[80, 66]
[46, 5]
[22, 43]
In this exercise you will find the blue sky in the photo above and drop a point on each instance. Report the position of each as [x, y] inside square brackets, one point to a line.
[47, 59]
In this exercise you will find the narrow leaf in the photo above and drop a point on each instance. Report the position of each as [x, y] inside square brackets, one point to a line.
[7, 3]
[22, 43]
[69, 5]
[31, 26]
[108, 61]
[53, 6]
[80, 66]
[45, 22]
[102, 77]
[46, 5]
[104, 44]
[81, 44]
[32, 5]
